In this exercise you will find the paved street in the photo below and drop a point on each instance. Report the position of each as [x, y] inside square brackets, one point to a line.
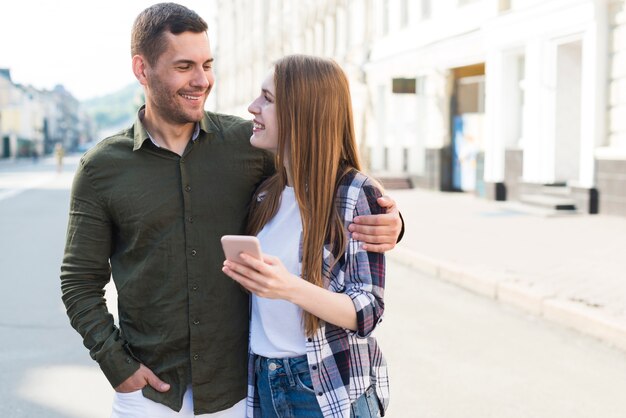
[451, 353]
[454, 354]
[45, 370]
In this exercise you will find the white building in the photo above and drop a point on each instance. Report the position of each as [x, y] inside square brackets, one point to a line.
[503, 98]
[32, 121]
[251, 34]
[611, 158]
[21, 119]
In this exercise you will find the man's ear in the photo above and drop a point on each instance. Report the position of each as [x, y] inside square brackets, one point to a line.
[139, 69]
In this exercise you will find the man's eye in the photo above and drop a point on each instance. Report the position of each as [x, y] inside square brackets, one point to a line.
[183, 67]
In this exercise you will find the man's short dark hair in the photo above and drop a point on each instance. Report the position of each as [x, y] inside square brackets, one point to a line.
[152, 24]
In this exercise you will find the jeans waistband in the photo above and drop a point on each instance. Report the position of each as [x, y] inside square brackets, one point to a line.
[291, 365]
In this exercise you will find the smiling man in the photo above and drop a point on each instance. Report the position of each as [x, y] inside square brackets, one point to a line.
[148, 207]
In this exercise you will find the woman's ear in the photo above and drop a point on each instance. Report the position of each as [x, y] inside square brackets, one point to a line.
[139, 69]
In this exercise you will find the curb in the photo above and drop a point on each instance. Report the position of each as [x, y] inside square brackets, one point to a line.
[515, 292]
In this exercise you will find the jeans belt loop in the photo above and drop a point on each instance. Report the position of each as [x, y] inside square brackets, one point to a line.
[287, 367]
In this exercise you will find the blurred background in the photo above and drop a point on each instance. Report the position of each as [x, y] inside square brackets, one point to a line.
[500, 98]
[499, 126]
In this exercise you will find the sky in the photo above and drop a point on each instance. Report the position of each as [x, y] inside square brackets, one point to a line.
[81, 44]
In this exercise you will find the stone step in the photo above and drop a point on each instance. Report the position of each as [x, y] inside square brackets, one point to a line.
[556, 190]
[547, 201]
[395, 183]
[540, 211]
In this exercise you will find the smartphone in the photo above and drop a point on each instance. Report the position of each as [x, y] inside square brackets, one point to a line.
[234, 245]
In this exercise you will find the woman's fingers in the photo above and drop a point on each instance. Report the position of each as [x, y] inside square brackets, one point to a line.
[260, 265]
[245, 270]
[245, 281]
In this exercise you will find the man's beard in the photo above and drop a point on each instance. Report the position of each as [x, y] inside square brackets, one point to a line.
[166, 102]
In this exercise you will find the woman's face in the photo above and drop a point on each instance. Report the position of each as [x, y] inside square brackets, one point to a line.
[265, 126]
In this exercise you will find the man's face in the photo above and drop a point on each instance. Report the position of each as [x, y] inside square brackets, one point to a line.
[179, 83]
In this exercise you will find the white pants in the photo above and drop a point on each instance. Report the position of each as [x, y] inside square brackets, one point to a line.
[134, 405]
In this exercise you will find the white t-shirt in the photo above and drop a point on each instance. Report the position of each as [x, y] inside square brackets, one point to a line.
[276, 329]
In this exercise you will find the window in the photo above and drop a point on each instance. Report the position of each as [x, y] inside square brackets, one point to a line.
[403, 85]
[426, 10]
[385, 17]
[341, 31]
[386, 157]
[330, 36]
[404, 13]
[405, 159]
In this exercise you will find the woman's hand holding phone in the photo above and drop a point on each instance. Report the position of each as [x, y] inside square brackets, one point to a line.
[267, 277]
[263, 275]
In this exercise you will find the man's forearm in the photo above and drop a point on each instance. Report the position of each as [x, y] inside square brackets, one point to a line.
[83, 296]
[84, 274]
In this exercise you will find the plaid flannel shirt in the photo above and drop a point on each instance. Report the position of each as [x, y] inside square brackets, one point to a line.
[344, 363]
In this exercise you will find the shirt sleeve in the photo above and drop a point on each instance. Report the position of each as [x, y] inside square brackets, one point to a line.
[364, 274]
[84, 273]
[401, 230]
[269, 166]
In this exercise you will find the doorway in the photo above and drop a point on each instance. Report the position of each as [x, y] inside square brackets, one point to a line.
[468, 110]
[6, 147]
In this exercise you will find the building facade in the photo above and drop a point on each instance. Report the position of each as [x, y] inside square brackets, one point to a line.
[610, 167]
[32, 121]
[521, 100]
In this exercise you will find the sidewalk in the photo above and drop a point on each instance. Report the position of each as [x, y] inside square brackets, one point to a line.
[27, 163]
[17, 162]
[569, 269]
[18, 176]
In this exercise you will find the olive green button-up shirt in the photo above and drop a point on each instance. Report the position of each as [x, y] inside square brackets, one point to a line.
[152, 220]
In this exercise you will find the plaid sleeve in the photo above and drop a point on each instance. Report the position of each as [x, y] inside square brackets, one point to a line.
[364, 272]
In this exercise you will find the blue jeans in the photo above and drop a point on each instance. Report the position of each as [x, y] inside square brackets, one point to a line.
[285, 391]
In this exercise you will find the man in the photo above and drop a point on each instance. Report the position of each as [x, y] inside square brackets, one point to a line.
[149, 205]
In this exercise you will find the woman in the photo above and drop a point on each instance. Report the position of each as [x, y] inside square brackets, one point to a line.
[311, 350]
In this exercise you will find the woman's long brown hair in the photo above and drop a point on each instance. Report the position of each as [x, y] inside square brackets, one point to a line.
[316, 143]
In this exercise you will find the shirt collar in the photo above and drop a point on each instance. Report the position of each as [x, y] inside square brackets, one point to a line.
[141, 134]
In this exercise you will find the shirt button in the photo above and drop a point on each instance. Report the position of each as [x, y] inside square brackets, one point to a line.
[309, 339]
[128, 360]
[196, 322]
[182, 160]
[194, 252]
[196, 357]
[319, 393]
[188, 188]
[194, 287]
[314, 367]
[190, 219]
